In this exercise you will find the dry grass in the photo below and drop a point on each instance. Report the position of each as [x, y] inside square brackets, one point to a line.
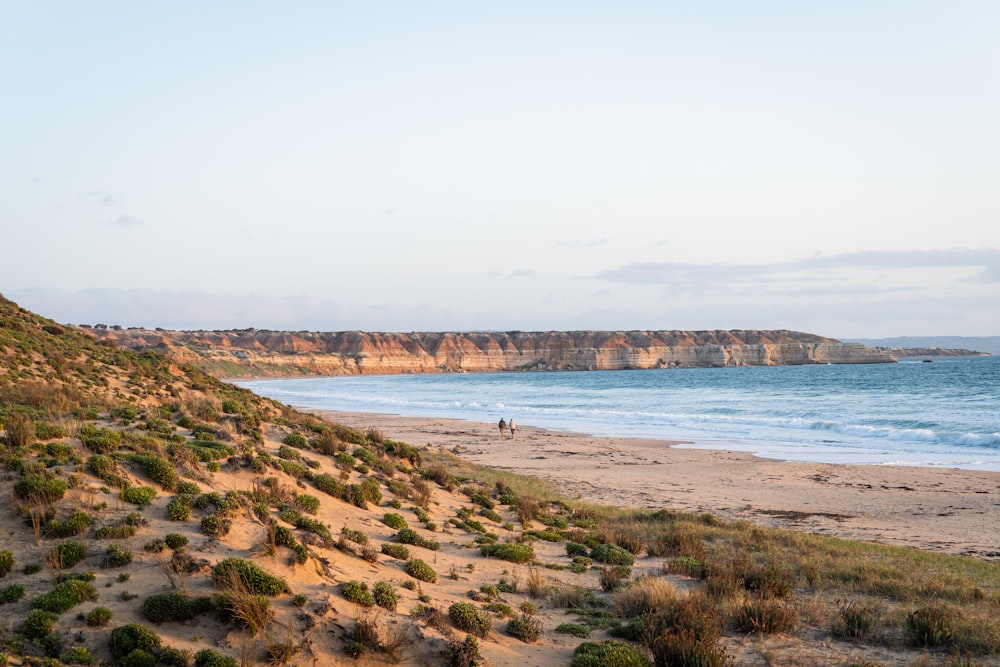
[645, 594]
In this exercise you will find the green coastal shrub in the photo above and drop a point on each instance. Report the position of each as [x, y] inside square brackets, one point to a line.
[396, 551]
[295, 439]
[65, 596]
[410, 536]
[138, 658]
[118, 531]
[395, 521]
[330, 485]
[38, 623]
[40, 487]
[525, 627]
[466, 616]
[115, 556]
[76, 523]
[358, 593]
[385, 596]
[128, 638]
[139, 495]
[179, 508]
[174, 606]
[306, 503]
[175, 540]
[158, 469]
[99, 440]
[98, 616]
[208, 657]
[67, 554]
[608, 654]
[11, 593]
[418, 569]
[612, 554]
[6, 562]
[509, 551]
[256, 580]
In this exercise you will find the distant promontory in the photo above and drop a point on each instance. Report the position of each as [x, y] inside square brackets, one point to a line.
[262, 353]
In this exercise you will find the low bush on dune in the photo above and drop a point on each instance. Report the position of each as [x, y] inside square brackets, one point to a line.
[65, 596]
[612, 554]
[255, 579]
[175, 606]
[608, 654]
[418, 569]
[509, 551]
[466, 616]
[131, 637]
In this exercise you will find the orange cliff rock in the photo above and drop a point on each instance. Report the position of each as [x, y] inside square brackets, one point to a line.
[251, 352]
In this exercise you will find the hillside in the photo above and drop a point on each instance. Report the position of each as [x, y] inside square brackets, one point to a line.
[158, 516]
[252, 352]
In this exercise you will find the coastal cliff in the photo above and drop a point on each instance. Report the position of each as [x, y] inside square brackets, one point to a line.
[260, 353]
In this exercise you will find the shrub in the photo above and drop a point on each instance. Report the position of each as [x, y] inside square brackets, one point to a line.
[526, 628]
[410, 536]
[175, 540]
[307, 503]
[128, 638]
[765, 615]
[574, 629]
[858, 621]
[329, 485]
[467, 617]
[686, 648]
[465, 653]
[67, 554]
[396, 551]
[179, 508]
[19, 431]
[612, 554]
[418, 569]
[6, 562]
[41, 487]
[358, 593]
[98, 616]
[65, 596]
[78, 655]
[138, 658]
[115, 556]
[255, 579]
[174, 606]
[295, 439]
[395, 521]
[385, 596]
[207, 657]
[38, 623]
[931, 626]
[99, 440]
[188, 488]
[11, 593]
[608, 654]
[139, 495]
[76, 523]
[158, 469]
[118, 531]
[509, 551]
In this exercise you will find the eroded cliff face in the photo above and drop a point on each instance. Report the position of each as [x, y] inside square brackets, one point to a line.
[249, 352]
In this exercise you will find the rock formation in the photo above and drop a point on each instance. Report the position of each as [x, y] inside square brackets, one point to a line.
[251, 352]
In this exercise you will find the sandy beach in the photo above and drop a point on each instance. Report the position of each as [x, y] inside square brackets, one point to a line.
[947, 510]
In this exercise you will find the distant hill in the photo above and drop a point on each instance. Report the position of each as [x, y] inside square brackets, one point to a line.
[990, 344]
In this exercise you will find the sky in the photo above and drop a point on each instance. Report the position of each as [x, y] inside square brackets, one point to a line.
[829, 167]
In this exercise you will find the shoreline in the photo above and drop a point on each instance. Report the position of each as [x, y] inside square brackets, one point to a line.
[947, 510]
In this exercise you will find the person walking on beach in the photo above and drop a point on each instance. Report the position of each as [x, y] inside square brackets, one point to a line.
[510, 425]
[503, 426]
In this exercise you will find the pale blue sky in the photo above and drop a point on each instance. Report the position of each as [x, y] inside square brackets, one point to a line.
[823, 166]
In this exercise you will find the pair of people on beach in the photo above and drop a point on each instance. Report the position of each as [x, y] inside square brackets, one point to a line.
[506, 425]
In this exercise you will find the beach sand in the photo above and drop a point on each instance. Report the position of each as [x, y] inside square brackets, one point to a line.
[947, 510]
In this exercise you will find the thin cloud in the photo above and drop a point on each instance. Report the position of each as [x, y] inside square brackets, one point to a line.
[522, 273]
[102, 197]
[592, 243]
[683, 276]
[125, 221]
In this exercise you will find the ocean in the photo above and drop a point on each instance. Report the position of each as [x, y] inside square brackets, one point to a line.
[945, 413]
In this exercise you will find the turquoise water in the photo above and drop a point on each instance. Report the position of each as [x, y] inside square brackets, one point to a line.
[945, 413]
